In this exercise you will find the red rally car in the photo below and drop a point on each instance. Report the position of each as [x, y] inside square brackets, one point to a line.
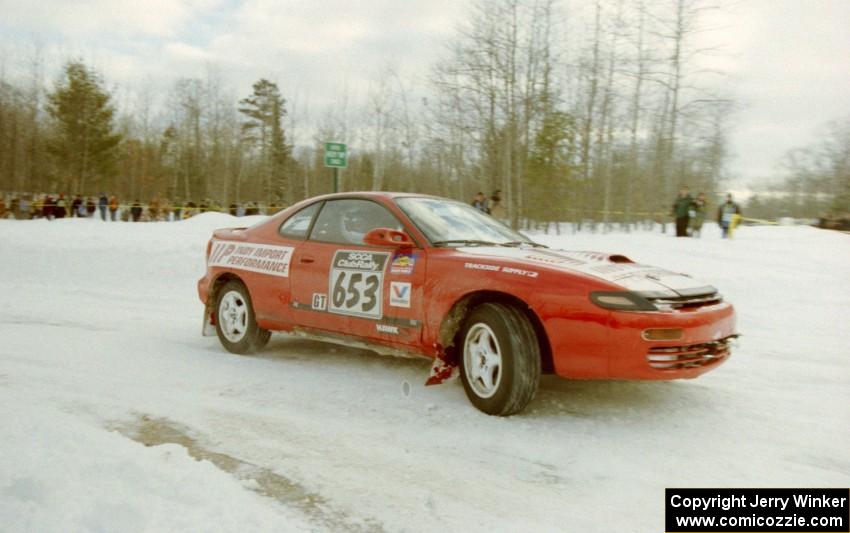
[408, 274]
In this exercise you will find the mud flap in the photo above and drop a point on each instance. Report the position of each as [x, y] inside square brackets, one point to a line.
[208, 328]
[442, 370]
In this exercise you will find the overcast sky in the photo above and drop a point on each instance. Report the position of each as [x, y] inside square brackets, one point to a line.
[788, 60]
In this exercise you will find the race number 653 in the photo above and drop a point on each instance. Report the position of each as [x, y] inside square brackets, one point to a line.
[356, 293]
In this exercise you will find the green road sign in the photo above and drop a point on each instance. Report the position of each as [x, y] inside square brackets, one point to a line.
[336, 155]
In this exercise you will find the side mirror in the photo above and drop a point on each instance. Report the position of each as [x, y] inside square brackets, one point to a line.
[388, 237]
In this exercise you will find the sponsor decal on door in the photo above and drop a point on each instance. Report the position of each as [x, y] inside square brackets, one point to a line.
[400, 294]
[403, 263]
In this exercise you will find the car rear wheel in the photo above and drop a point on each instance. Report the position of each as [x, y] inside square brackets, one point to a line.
[500, 362]
[235, 324]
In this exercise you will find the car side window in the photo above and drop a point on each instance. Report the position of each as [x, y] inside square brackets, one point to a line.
[297, 225]
[348, 221]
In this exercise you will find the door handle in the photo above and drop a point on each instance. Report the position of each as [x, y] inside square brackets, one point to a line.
[307, 259]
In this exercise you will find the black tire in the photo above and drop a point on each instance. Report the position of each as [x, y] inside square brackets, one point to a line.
[514, 383]
[234, 296]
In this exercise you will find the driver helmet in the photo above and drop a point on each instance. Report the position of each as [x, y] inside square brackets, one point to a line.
[355, 225]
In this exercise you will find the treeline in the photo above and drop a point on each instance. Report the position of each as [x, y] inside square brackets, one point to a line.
[597, 113]
[816, 181]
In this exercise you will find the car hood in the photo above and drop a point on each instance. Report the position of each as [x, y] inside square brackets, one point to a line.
[649, 280]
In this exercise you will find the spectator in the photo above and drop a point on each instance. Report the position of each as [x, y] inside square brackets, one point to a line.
[76, 207]
[178, 210]
[681, 210]
[727, 216]
[50, 207]
[697, 215]
[479, 202]
[60, 207]
[153, 209]
[3, 210]
[90, 207]
[14, 207]
[113, 207]
[497, 210]
[165, 210]
[136, 211]
[189, 210]
[233, 209]
[40, 207]
[101, 205]
[24, 208]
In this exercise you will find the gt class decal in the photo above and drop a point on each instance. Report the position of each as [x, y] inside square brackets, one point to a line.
[262, 258]
[320, 301]
[357, 283]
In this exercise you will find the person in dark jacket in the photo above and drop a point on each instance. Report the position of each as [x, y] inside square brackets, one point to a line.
[61, 208]
[102, 202]
[75, 206]
[726, 216]
[697, 215]
[681, 210]
[90, 207]
[136, 211]
[48, 207]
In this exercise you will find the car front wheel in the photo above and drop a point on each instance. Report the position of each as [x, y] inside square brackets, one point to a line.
[500, 363]
[235, 324]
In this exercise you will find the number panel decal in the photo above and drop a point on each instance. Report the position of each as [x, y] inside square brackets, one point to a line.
[356, 284]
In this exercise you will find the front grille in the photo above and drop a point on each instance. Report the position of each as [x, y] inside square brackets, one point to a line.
[687, 302]
[690, 356]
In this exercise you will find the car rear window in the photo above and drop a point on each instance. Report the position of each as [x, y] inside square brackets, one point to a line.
[297, 226]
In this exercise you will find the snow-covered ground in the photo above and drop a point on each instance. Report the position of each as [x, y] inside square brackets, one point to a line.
[100, 352]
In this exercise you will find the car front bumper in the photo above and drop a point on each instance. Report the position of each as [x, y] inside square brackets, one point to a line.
[617, 348]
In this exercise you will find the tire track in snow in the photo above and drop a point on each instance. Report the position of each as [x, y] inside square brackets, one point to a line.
[155, 431]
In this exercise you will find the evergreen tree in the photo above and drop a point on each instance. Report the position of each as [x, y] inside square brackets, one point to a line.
[550, 167]
[83, 143]
[263, 129]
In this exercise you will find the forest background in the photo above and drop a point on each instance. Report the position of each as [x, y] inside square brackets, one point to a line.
[602, 122]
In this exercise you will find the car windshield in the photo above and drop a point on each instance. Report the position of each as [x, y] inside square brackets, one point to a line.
[451, 223]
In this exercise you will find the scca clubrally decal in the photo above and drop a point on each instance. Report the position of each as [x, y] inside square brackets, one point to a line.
[262, 258]
[357, 283]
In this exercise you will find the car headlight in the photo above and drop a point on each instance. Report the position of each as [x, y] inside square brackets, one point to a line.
[621, 301]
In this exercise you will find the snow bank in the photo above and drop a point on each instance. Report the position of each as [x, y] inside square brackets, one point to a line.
[214, 220]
